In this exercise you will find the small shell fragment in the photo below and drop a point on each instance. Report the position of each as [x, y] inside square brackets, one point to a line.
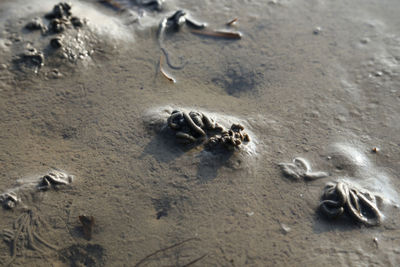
[9, 200]
[54, 179]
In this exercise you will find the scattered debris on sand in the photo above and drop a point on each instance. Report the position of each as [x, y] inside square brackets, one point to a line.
[197, 127]
[361, 205]
[232, 138]
[176, 21]
[60, 19]
[54, 179]
[300, 168]
[61, 30]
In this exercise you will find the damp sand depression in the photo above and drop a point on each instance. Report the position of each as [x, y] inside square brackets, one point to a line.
[315, 80]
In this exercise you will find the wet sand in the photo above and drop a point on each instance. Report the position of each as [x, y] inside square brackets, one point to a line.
[312, 79]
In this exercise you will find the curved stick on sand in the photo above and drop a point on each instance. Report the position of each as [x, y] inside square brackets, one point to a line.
[165, 249]
[169, 78]
[160, 37]
[220, 34]
[193, 126]
[195, 260]
[169, 62]
[231, 22]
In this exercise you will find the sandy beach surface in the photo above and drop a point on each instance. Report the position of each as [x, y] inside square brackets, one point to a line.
[312, 79]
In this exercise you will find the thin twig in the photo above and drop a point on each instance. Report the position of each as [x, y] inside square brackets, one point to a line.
[172, 66]
[220, 34]
[164, 249]
[169, 78]
[231, 22]
[195, 260]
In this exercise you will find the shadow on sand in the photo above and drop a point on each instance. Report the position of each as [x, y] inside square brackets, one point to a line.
[342, 224]
[165, 148]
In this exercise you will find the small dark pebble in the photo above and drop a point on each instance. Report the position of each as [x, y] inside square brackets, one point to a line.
[317, 30]
[76, 22]
[375, 150]
[56, 42]
[57, 26]
[55, 74]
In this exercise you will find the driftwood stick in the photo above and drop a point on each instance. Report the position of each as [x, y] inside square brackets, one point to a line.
[164, 249]
[195, 260]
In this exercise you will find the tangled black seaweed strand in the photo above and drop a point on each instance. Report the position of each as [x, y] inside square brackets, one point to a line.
[340, 197]
[197, 127]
